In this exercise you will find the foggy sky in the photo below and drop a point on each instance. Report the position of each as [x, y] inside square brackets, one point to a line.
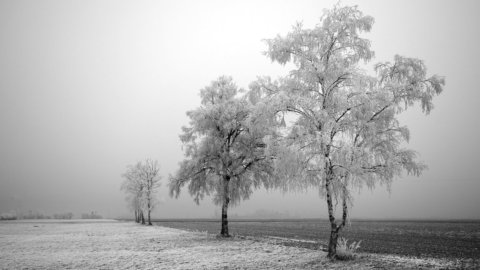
[88, 87]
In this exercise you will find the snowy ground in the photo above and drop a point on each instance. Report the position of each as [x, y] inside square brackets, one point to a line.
[125, 245]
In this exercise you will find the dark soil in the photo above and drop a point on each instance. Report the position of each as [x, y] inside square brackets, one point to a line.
[437, 239]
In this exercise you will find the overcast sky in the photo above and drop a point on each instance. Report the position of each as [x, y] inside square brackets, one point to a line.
[88, 87]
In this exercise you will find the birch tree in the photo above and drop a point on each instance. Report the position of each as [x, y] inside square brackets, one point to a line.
[149, 175]
[141, 182]
[224, 148]
[345, 132]
[134, 188]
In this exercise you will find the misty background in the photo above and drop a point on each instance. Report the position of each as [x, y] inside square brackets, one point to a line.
[88, 87]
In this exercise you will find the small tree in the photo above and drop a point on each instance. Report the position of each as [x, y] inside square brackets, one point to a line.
[141, 183]
[225, 149]
[149, 173]
[134, 187]
[346, 131]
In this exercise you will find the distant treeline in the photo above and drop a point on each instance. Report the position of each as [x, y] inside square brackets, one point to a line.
[37, 215]
[8, 216]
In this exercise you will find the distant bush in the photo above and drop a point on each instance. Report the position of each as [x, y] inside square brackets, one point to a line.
[92, 215]
[346, 252]
[63, 216]
[33, 215]
[8, 216]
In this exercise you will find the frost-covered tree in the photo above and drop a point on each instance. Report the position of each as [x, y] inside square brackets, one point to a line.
[141, 181]
[149, 174]
[134, 188]
[345, 132]
[225, 149]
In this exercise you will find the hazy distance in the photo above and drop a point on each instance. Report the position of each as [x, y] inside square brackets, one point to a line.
[88, 87]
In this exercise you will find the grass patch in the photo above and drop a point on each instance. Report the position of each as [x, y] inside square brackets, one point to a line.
[345, 251]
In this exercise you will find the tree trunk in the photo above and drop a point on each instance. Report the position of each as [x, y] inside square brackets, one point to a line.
[332, 244]
[226, 200]
[334, 228]
[142, 217]
[136, 216]
[149, 210]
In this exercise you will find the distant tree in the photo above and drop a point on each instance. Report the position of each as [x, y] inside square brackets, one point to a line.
[141, 181]
[225, 149]
[63, 216]
[149, 173]
[134, 187]
[345, 131]
[92, 215]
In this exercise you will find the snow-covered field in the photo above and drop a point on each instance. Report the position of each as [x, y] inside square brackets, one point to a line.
[111, 244]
